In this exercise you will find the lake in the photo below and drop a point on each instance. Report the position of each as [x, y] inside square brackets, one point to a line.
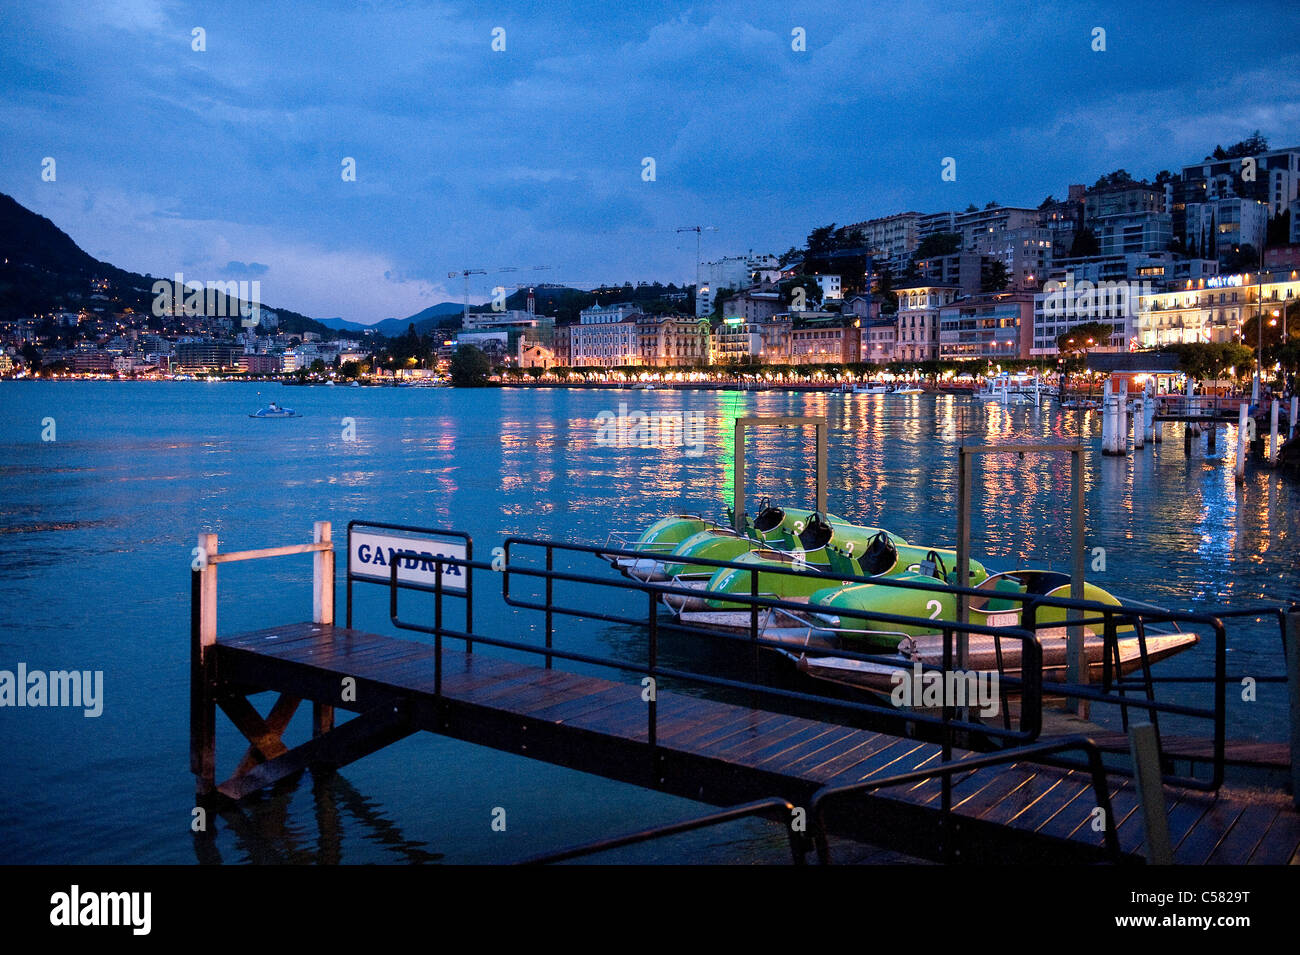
[99, 525]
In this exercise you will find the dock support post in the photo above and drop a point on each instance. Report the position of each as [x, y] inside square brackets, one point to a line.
[1272, 436]
[1293, 684]
[1139, 422]
[1187, 438]
[1295, 409]
[1121, 439]
[1109, 419]
[1212, 438]
[203, 635]
[1151, 793]
[1242, 414]
[322, 594]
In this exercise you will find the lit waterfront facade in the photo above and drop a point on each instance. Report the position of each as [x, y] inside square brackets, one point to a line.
[918, 320]
[1212, 309]
[993, 326]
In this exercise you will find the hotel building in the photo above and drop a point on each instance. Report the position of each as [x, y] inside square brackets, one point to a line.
[1213, 309]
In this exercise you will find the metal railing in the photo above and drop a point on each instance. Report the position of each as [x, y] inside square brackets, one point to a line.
[1115, 689]
[760, 807]
[1040, 753]
[435, 532]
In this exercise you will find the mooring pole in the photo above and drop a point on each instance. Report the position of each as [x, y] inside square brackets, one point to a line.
[1272, 436]
[1121, 439]
[1242, 415]
[1076, 658]
[963, 550]
[738, 480]
[1212, 438]
[1295, 408]
[1140, 421]
[821, 468]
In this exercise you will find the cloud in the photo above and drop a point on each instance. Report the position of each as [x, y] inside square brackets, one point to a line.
[242, 270]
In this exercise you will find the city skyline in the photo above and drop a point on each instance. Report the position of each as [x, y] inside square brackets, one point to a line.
[225, 163]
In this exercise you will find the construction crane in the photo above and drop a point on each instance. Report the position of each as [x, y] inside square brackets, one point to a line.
[466, 273]
[698, 230]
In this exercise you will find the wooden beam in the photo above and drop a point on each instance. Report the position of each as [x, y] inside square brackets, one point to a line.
[371, 731]
[249, 722]
[234, 556]
[277, 721]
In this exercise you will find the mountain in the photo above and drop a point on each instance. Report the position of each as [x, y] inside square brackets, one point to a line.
[42, 270]
[423, 320]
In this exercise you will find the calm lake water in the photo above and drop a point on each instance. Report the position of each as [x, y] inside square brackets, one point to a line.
[98, 525]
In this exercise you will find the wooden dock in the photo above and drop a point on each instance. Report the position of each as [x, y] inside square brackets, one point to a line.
[716, 753]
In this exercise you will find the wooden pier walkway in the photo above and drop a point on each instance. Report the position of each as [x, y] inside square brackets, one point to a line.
[712, 752]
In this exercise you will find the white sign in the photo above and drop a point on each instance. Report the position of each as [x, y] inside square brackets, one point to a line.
[1002, 619]
[372, 554]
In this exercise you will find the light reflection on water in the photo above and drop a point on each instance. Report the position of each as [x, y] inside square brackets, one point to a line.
[97, 530]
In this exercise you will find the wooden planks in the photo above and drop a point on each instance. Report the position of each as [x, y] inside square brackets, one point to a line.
[722, 749]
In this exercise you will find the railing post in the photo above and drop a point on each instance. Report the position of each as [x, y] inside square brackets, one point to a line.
[322, 593]
[208, 592]
[1151, 794]
[1293, 683]
[203, 635]
[550, 596]
[652, 729]
[322, 579]
[437, 628]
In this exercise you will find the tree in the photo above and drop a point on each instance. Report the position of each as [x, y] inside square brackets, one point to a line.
[885, 289]
[939, 243]
[821, 240]
[1077, 340]
[469, 367]
[812, 291]
[1242, 258]
[1206, 361]
[1279, 229]
[1085, 243]
[1117, 178]
[1163, 176]
[997, 278]
[1049, 201]
[1252, 145]
[317, 367]
[720, 298]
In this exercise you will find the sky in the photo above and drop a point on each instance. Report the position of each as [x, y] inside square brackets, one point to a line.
[227, 162]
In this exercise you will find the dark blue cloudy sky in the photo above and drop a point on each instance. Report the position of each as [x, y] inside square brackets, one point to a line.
[226, 163]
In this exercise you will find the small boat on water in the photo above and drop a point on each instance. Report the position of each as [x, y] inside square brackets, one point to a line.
[906, 389]
[871, 388]
[275, 411]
